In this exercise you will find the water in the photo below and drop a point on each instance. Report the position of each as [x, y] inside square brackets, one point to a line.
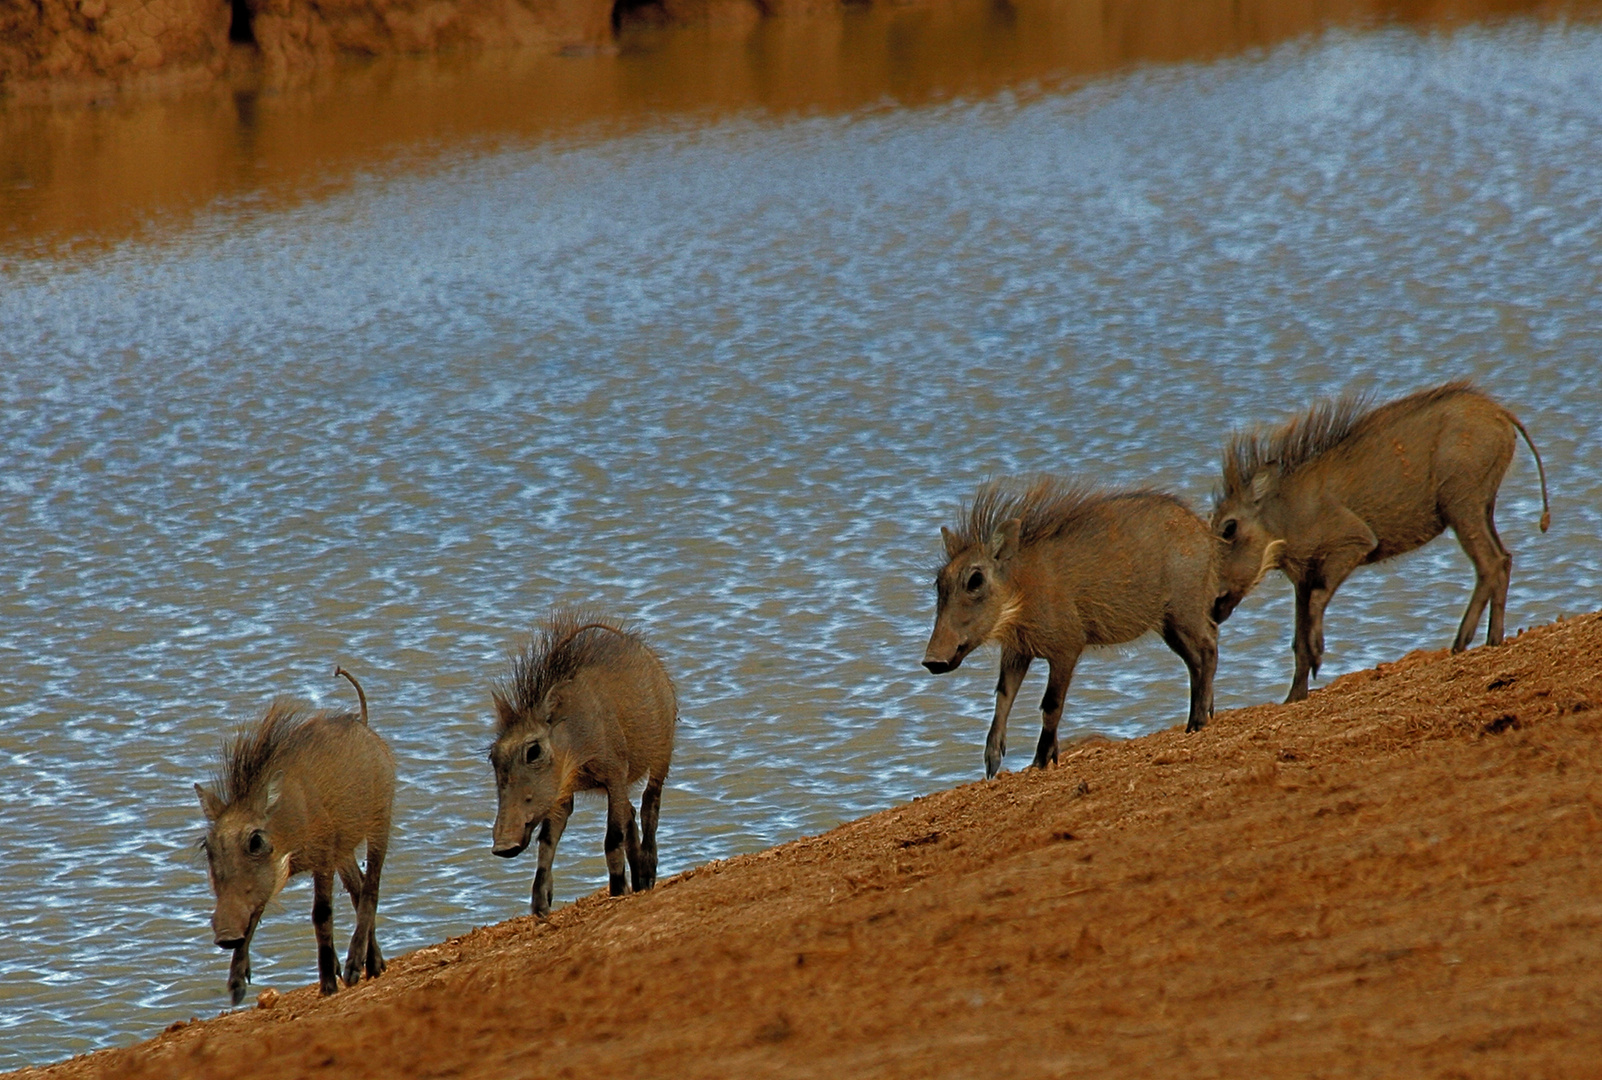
[725, 376]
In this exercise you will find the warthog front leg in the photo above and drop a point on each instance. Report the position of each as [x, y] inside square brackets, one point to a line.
[1314, 591]
[323, 926]
[1299, 646]
[239, 965]
[1346, 542]
[619, 823]
[1061, 673]
[1014, 666]
[650, 806]
[550, 835]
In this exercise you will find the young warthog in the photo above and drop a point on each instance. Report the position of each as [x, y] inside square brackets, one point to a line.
[1050, 569]
[587, 706]
[1348, 483]
[299, 792]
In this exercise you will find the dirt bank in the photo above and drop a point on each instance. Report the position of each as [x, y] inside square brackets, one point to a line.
[84, 49]
[66, 43]
[1399, 876]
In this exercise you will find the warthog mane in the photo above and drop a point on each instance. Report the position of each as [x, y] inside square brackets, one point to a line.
[565, 643]
[1311, 434]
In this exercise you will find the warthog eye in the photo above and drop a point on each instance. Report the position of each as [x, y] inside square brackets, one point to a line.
[1228, 531]
[257, 842]
[532, 753]
[976, 581]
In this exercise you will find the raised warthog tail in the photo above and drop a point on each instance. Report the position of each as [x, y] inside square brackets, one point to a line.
[360, 695]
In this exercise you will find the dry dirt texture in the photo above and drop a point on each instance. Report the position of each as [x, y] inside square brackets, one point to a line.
[1397, 877]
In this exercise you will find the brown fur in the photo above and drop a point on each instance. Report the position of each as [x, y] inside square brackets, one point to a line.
[1348, 483]
[298, 792]
[1049, 568]
[586, 706]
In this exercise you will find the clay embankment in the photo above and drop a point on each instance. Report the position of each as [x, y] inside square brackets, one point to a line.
[1399, 876]
[64, 42]
[76, 49]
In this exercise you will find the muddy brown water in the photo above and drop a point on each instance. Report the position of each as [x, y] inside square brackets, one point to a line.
[330, 375]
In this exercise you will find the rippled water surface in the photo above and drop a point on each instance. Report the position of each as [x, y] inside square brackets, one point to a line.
[726, 379]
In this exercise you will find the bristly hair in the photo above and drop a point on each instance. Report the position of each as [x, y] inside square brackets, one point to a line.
[567, 641]
[1311, 434]
[248, 757]
[1046, 506]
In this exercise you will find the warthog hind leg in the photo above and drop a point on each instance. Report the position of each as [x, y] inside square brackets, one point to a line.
[1198, 648]
[619, 823]
[1493, 569]
[650, 807]
[1014, 666]
[363, 954]
[631, 849]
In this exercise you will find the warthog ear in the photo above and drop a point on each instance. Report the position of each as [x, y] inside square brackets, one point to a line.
[275, 788]
[209, 803]
[953, 544]
[505, 715]
[1004, 544]
[1260, 485]
[554, 700]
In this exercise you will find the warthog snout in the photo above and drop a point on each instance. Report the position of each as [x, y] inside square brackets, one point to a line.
[230, 931]
[509, 841]
[509, 851]
[945, 652]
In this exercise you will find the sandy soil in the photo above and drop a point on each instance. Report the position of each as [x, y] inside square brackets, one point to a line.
[1399, 876]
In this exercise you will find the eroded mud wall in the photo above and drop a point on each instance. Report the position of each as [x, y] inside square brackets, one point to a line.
[59, 42]
[67, 39]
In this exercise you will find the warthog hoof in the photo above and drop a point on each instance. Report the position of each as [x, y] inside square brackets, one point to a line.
[993, 756]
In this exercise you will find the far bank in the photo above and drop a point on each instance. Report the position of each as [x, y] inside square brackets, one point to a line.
[83, 49]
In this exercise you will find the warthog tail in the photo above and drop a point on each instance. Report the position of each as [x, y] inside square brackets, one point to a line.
[1546, 510]
[362, 697]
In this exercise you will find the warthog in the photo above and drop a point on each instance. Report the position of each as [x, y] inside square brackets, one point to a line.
[1050, 569]
[299, 792]
[1347, 483]
[587, 706]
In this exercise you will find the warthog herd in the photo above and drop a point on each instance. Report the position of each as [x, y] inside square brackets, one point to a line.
[1044, 568]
